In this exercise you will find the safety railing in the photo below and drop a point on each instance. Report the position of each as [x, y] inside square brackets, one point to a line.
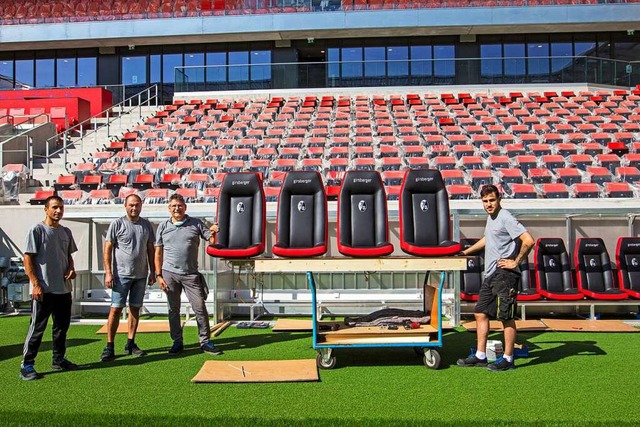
[19, 137]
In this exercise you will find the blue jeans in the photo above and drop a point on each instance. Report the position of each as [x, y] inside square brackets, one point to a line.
[123, 286]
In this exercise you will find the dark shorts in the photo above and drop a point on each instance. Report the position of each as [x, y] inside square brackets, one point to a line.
[497, 296]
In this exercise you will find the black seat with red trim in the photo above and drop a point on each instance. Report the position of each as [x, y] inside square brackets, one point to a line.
[241, 217]
[425, 225]
[526, 289]
[593, 270]
[628, 260]
[553, 270]
[301, 224]
[362, 224]
[471, 278]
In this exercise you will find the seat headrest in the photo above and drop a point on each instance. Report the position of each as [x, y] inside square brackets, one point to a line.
[302, 182]
[423, 181]
[551, 246]
[241, 183]
[629, 245]
[361, 182]
[590, 246]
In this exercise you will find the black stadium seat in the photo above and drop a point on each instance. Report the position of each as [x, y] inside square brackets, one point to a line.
[241, 217]
[594, 272]
[471, 278]
[362, 225]
[301, 225]
[553, 270]
[628, 260]
[425, 225]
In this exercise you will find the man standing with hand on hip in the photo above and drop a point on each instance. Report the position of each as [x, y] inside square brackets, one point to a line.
[506, 243]
[49, 266]
[176, 258]
[129, 266]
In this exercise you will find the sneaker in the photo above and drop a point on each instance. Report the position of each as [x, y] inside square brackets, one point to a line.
[176, 348]
[211, 349]
[501, 365]
[28, 373]
[472, 361]
[134, 350]
[108, 354]
[63, 365]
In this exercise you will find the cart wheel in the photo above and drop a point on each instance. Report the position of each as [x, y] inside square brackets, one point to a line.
[323, 363]
[431, 359]
[419, 351]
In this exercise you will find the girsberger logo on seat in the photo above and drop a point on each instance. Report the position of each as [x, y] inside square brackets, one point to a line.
[240, 182]
[362, 180]
[301, 181]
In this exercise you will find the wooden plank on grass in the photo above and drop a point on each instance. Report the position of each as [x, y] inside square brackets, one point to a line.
[521, 325]
[340, 264]
[220, 329]
[561, 325]
[224, 371]
[148, 326]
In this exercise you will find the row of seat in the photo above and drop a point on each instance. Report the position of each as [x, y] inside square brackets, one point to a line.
[553, 277]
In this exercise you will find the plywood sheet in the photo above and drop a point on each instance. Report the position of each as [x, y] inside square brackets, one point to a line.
[589, 325]
[290, 325]
[149, 326]
[224, 371]
[521, 325]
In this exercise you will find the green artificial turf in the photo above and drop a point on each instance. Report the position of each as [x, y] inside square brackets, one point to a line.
[574, 379]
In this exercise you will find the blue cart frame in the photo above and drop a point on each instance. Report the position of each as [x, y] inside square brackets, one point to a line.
[431, 358]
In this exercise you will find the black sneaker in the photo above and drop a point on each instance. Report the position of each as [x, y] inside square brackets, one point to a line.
[108, 355]
[28, 373]
[63, 365]
[176, 348]
[211, 349]
[472, 361]
[134, 350]
[501, 365]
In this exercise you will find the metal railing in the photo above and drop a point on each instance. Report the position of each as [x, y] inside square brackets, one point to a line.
[91, 126]
[21, 135]
[415, 72]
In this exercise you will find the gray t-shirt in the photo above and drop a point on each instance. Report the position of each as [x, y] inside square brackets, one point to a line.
[499, 238]
[181, 244]
[51, 247]
[130, 241]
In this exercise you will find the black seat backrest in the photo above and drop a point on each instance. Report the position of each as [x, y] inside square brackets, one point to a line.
[552, 265]
[302, 211]
[628, 260]
[471, 278]
[362, 211]
[241, 211]
[593, 266]
[424, 205]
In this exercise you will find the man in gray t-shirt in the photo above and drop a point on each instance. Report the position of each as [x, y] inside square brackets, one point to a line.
[176, 258]
[128, 257]
[506, 243]
[49, 266]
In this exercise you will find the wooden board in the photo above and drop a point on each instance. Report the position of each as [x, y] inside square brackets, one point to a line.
[149, 326]
[378, 332]
[328, 265]
[224, 371]
[407, 339]
[521, 325]
[289, 325]
[589, 325]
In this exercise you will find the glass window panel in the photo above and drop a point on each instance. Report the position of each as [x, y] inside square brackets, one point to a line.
[538, 58]
[24, 72]
[155, 69]
[237, 72]
[442, 67]
[6, 74]
[562, 54]
[421, 64]
[169, 63]
[350, 68]
[261, 72]
[491, 60]
[585, 48]
[333, 56]
[216, 70]
[374, 62]
[194, 70]
[514, 60]
[398, 64]
[88, 71]
[66, 71]
[45, 72]
[134, 70]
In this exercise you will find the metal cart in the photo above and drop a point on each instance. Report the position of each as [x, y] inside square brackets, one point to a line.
[423, 340]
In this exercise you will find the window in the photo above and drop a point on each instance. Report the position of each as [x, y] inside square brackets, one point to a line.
[155, 71]
[87, 71]
[134, 70]
[352, 62]
[333, 56]
[562, 54]
[398, 64]
[442, 67]
[421, 64]
[45, 72]
[194, 70]
[169, 63]
[374, 65]
[238, 70]
[538, 58]
[216, 71]
[261, 72]
[66, 72]
[514, 66]
[24, 72]
[491, 61]
[6, 73]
